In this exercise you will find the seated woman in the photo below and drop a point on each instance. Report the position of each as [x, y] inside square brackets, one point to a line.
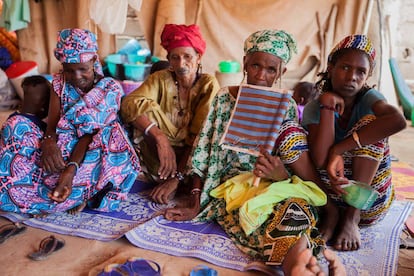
[287, 226]
[349, 125]
[85, 153]
[168, 109]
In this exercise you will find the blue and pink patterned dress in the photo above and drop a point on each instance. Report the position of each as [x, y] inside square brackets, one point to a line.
[110, 160]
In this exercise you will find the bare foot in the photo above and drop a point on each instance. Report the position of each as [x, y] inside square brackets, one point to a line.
[76, 210]
[348, 237]
[163, 193]
[186, 208]
[328, 221]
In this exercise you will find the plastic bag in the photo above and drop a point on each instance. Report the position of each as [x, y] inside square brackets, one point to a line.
[8, 97]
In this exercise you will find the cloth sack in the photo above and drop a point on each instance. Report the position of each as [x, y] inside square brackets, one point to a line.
[8, 97]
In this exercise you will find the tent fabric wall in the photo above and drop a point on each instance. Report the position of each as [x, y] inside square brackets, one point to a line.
[48, 17]
[317, 25]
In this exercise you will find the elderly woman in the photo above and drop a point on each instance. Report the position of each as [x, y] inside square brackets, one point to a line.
[85, 153]
[168, 109]
[272, 231]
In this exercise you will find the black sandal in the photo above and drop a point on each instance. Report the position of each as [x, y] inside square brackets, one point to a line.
[47, 246]
[10, 230]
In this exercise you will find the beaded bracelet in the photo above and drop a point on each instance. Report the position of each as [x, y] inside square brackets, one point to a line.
[327, 107]
[74, 164]
[48, 137]
[179, 176]
[195, 191]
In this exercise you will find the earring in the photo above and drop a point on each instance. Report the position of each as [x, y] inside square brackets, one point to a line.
[199, 69]
[277, 80]
[95, 79]
[244, 80]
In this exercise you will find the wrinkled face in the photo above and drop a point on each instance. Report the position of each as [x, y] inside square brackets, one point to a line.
[263, 68]
[184, 60]
[80, 75]
[350, 72]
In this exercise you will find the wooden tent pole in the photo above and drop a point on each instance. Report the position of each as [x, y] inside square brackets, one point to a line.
[368, 18]
[198, 12]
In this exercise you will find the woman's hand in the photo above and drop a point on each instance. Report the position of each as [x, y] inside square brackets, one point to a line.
[64, 186]
[51, 158]
[330, 99]
[166, 155]
[335, 170]
[269, 166]
[164, 192]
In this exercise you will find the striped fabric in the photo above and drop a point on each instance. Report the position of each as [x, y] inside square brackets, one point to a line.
[256, 119]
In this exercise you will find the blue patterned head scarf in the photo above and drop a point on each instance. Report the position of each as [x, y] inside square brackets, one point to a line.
[77, 46]
[276, 42]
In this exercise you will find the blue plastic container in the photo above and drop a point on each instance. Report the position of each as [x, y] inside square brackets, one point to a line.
[133, 67]
[130, 48]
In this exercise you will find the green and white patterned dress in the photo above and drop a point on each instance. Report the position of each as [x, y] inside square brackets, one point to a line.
[215, 164]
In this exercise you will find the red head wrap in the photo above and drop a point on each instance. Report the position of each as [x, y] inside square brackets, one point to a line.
[174, 36]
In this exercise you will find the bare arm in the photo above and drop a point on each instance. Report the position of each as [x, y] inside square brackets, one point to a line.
[64, 186]
[52, 159]
[322, 136]
[166, 154]
[389, 120]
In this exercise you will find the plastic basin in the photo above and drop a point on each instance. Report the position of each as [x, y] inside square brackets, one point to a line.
[229, 66]
[18, 71]
[130, 67]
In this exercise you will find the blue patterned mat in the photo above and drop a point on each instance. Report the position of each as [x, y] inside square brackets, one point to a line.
[138, 220]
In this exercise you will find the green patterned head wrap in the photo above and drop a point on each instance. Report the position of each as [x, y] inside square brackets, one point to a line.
[275, 42]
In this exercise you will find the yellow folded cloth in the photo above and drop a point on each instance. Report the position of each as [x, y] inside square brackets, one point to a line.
[256, 203]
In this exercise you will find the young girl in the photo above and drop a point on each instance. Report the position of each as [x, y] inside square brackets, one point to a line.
[21, 135]
[349, 125]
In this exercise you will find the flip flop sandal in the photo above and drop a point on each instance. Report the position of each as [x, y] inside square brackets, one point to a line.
[203, 270]
[134, 266]
[47, 246]
[10, 230]
[407, 243]
[409, 224]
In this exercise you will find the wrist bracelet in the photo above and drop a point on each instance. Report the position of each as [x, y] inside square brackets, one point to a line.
[48, 137]
[74, 164]
[327, 107]
[147, 129]
[356, 139]
[179, 176]
[196, 191]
